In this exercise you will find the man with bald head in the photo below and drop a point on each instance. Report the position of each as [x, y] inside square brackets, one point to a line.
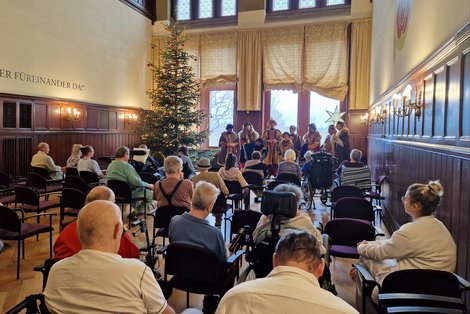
[67, 243]
[96, 279]
[42, 160]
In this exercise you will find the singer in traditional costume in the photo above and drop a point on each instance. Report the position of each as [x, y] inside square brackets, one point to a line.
[311, 139]
[271, 138]
[247, 138]
[228, 144]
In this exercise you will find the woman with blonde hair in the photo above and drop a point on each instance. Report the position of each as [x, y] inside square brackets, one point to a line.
[72, 161]
[289, 165]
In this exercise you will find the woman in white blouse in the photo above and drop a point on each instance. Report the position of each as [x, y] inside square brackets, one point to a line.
[424, 243]
[88, 164]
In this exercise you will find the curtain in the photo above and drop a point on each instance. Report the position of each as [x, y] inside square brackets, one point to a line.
[249, 71]
[218, 57]
[326, 59]
[360, 64]
[282, 57]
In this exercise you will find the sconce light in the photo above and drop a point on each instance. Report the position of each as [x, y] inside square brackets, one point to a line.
[407, 106]
[364, 118]
[72, 114]
[131, 118]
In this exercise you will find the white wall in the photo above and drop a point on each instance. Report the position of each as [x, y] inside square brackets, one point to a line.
[430, 25]
[103, 45]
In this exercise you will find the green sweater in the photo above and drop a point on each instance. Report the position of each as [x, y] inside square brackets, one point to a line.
[123, 171]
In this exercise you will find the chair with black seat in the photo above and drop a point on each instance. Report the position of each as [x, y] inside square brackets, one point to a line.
[71, 201]
[346, 233]
[343, 191]
[148, 177]
[243, 218]
[46, 174]
[31, 305]
[273, 184]
[162, 217]
[45, 269]
[356, 208]
[90, 177]
[123, 194]
[255, 181]
[205, 274]
[236, 194]
[7, 195]
[42, 185]
[75, 182]
[376, 192]
[13, 227]
[412, 287]
[69, 171]
[31, 202]
[289, 177]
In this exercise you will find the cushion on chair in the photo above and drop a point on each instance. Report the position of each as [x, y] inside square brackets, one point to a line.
[7, 199]
[344, 251]
[43, 205]
[162, 232]
[28, 229]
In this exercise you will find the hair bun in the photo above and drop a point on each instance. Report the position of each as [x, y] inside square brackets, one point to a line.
[436, 188]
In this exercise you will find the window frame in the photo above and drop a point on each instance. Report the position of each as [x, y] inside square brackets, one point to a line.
[216, 20]
[293, 11]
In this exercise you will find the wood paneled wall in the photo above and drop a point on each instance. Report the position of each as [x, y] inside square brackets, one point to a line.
[434, 146]
[103, 127]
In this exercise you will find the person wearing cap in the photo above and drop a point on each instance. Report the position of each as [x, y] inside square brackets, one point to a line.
[228, 144]
[311, 139]
[272, 137]
[203, 166]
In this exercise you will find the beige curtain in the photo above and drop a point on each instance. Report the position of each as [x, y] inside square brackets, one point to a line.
[282, 57]
[326, 59]
[218, 57]
[360, 64]
[249, 71]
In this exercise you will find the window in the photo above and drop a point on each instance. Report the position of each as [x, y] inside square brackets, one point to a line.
[221, 106]
[284, 108]
[25, 116]
[304, 4]
[290, 5]
[9, 115]
[318, 115]
[186, 10]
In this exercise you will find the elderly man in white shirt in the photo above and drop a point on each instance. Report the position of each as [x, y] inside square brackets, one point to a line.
[42, 160]
[291, 287]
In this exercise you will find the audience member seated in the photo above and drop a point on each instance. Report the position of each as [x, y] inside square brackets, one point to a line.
[285, 144]
[300, 221]
[306, 167]
[230, 172]
[72, 161]
[96, 279]
[68, 244]
[291, 287]
[120, 169]
[192, 228]
[256, 165]
[148, 163]
[289, 165]
[42, 160]
[259, 147]
[424, 243]
[88, 164]
[188, 167]
[173, 190]
[354, 162]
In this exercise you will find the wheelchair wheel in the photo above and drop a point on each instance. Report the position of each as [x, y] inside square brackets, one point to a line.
[324, 196]
[308, 194]
[247, 274]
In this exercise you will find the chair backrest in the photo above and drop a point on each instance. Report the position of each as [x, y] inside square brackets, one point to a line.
[148, 177]
[35, 180]
[253, 178]
[121, 189]
[354, 207]
[4, 180]
[89, 177]
[273, 184]
[42, 172]
[204, 266]
[321, 170]
[9, 220]
[72, 198]
[163, 215]
[345, 191]
[71, 171]
[244, 218]
[75, 182]
[379, 182]
[233, 187]
[26, 195]
[30, 304]
[423, 281]
[359, 177]
[289, 177]
[349, 232]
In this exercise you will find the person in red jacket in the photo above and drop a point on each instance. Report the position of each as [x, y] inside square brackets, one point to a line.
[67, 243]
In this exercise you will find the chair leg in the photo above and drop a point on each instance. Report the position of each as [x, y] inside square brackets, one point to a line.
[187, 299]
[50, 244]
[18, 261]
[22, 247]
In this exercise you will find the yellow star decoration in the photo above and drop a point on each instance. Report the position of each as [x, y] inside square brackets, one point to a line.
[335, 116]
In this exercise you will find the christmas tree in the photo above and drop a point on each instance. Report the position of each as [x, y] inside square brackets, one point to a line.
[174, 119]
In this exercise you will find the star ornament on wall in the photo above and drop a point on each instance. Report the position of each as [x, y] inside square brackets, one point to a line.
[335, 116]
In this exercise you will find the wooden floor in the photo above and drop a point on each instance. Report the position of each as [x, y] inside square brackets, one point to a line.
[13, 291]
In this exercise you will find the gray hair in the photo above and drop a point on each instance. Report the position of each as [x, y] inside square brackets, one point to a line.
[287, 187]
[355, 155]
[308, 155]
[143, 146]
[121, 151]
[289, 155]
[172, 164]
[204, 195]
[300, 246]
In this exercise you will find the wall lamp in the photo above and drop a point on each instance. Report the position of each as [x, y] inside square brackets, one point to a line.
[364, 118]
[72, 114]
[376, 116]
[404, 108]
[131, 118]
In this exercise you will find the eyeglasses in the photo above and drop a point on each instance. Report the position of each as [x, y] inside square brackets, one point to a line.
[403, 199]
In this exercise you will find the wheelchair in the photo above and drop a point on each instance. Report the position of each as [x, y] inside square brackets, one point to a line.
[259, 255]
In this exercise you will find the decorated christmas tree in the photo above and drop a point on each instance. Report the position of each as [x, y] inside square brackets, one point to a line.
[174, 119]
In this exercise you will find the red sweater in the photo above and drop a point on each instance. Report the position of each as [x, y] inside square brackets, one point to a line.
[67, 244]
